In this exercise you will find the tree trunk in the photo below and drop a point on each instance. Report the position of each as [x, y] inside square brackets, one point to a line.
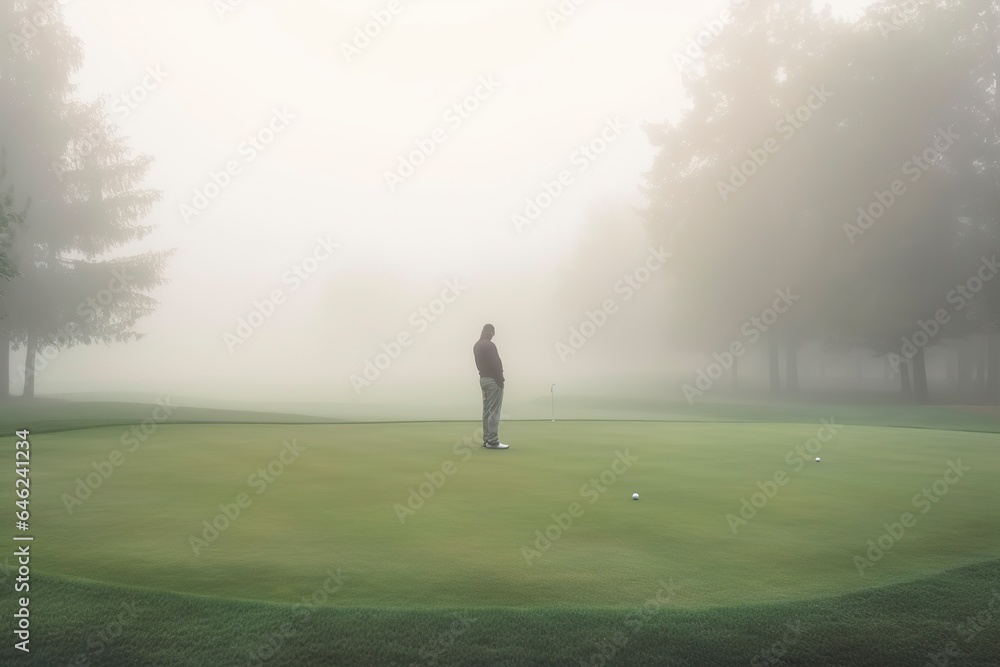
[920, 377]
[993, 370]
[5, 365]
[904, 379]
[951, 376]
[29, 366]
[963, 385]
[792, 363]
[981, 364]
[773, 351]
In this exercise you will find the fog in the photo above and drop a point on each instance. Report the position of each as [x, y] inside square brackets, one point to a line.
[342, 216]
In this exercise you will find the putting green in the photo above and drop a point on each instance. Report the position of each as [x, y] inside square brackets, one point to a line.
[335, 506]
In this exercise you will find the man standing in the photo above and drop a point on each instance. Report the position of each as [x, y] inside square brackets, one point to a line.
[491, 382]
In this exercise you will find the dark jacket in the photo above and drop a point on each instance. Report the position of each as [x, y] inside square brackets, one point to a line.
[488, 360]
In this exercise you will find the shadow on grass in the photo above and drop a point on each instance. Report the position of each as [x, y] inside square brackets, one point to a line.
[955, 614]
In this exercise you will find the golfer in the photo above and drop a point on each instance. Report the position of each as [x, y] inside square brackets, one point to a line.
[491, 382]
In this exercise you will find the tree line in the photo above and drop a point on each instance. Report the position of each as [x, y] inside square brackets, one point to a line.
[856, 163]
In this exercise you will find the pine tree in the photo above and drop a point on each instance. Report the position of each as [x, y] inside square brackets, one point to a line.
[78, 284]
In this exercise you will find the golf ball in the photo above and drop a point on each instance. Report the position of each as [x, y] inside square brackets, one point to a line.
[817, 459]
[635, 496]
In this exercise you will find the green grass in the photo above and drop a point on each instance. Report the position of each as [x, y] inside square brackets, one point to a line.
[48, 415]
[86, 623]
[461, 555]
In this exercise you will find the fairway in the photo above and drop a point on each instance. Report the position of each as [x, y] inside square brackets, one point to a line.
[418, 516]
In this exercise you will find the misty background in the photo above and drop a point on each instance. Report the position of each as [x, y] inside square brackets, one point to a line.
[584, 144]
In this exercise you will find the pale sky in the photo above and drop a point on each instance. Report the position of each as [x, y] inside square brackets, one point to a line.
[225, 78]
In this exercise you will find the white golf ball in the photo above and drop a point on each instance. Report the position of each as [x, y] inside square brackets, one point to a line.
[817, 459]
[635, 496]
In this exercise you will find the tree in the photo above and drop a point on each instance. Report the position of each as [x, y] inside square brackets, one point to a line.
[844, 206]
[723, 184]
[11, 218]
[76, 285]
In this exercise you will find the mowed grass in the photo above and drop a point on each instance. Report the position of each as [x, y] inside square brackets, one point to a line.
[335, 508]
[953, 617]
